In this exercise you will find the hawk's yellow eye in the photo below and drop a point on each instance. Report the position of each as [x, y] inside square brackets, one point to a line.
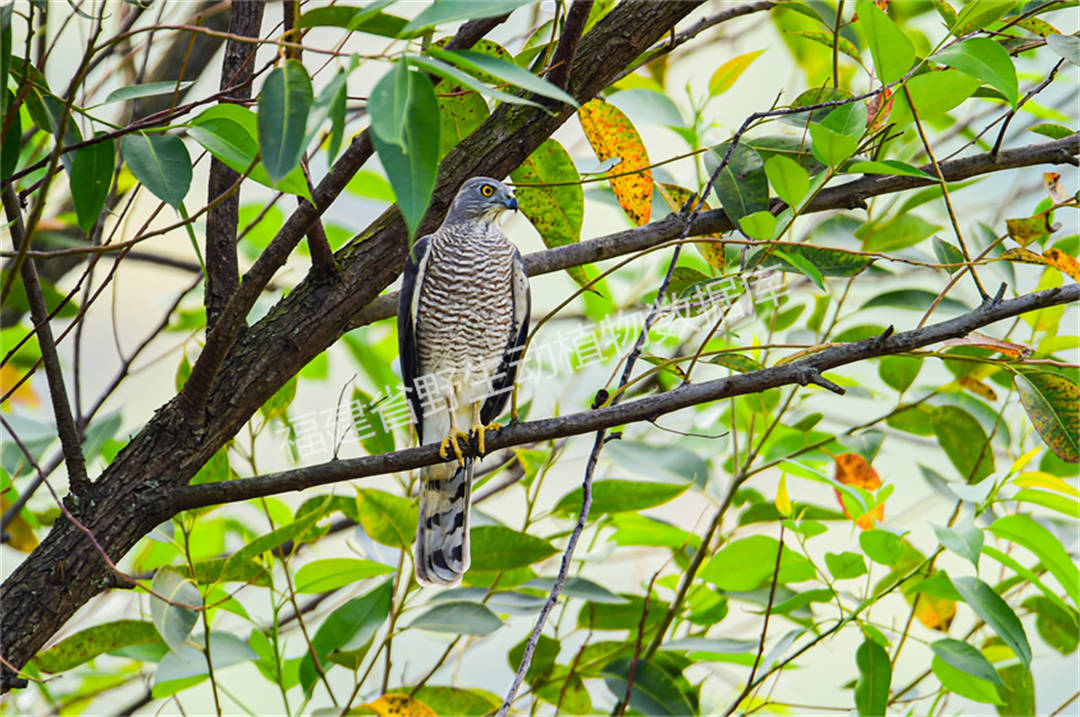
[487, 190]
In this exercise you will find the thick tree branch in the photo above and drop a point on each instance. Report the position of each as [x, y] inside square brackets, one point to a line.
[803, 371]
[568, 43]
[222, 270]
[39, 313]
[851, 195]
[134, 492]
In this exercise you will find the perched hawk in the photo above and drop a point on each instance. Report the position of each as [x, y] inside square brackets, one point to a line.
[463, 315]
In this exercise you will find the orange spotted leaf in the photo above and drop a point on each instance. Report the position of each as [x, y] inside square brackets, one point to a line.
[852, 469]
[1052, 183]
[934, 612]
[1027, 229]
[1052, 402]
[613, 136]
[1062, 261]
[396, 704]
[676, 198]
[977, 387]
[878, 108]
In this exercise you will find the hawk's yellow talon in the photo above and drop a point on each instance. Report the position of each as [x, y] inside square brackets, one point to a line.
[478, 429]
[451, 440]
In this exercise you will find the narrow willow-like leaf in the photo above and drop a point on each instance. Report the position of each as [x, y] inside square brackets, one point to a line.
[91, 176]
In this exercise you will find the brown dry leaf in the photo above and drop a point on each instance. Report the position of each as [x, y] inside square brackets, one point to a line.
[989, 342]
[1052, 183]
[24, 394]
[611, 135]
[977, 387]
[396, 704]
[1063, 262]
[874, 120]
[676, 198]
[22, 535]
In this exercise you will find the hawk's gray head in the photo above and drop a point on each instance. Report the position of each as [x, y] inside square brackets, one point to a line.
[480, 199]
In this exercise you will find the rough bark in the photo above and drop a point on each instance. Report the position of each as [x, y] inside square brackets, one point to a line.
[133, 494]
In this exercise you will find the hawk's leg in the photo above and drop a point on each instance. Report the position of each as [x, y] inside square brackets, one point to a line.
[450, 443]
[478, 428]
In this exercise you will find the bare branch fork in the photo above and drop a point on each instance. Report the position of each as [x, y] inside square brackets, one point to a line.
[803, 371]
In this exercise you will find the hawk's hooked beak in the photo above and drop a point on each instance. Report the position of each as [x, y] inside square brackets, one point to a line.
[511, 203]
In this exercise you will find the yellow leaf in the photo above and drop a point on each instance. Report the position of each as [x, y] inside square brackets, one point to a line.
[989, 342]
[22, 535]
[676, 197]
[1041, 479]
[726, 75]
[613, 136]
[1027, 229]
[783, 502]
[1063, 262]
[977, 387]
[934, 612]
[9, 376]
[396, 704]
[1019, 464]
[852, 469]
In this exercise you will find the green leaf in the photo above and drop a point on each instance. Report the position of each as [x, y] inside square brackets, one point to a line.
[978, 14]
[793, 148]
[161, 162]
[1018, 694]
[359, 19]
[347, 629]
[625, 616]
[173, 622]
[659, 461]
[804, 266]
[375, 437]
[93, 641]
[459, 618]
[477, 62]
[898, 233]
[1011, 562]
[1052, 402]
[965, 541]
[747, 563]
[986, 60]
[845, 565]
[964, 657]
[11, 142]
[322, 576]
[189, 661]
[736, 362]
[443, 11]
[386, 518]
[230, 133]
[788, 179]
[728, 73]
[577, 587]
[912, 300]
[946, 253]
[653, 692]
[91, 177]
[814, 96]
[996, 613]
[284, 104]
[413, 165]
[1024, 530]
[275, 538]
[459, 115]
[964, 441]
[389, 104]
[456, 701]
[875, 674]
[147, 89]
[759, 225]
[831, 147]
[830, 262]
[1053, 131]
[742, 186]
[887, 166]
[899, 372]
[1057, 627]
[558, 209]
[933, 93]
[617, 496]
[497, 548]
[371, 185]
[960, 682]
[329, 104]
[1047, 499]
[881, 546]
[208, 572]
[892, 51]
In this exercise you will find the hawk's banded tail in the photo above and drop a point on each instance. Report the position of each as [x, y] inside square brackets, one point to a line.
[442, 533]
